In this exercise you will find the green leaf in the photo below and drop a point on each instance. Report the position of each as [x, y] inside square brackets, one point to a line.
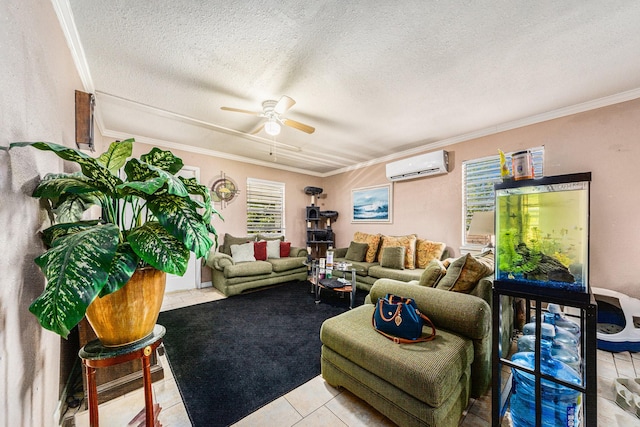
[164, 160]
[60, 230]
[70, 207]
[53, 185]
[122, 268]
[155, 246]
[137, 188]
[76, 268]
[104, 180]
[194, 187]
[116, 156]
[180, 218]
[140, 172]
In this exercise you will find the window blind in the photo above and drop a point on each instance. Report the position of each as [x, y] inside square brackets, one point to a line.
[265, 206]
[478, 178]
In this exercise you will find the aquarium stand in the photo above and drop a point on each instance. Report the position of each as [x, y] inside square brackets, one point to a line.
[536, 302]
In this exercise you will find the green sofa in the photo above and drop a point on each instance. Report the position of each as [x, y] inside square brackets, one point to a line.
[368, 272]
[422, 384]
[232, 278]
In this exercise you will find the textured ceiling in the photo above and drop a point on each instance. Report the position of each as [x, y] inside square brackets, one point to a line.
[375, 78]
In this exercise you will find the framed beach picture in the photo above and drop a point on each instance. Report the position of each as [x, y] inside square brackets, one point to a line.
[372, 204]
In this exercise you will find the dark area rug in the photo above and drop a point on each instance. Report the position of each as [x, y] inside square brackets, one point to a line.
[231, 357]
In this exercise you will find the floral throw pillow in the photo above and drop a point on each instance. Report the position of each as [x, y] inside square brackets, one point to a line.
[427, 251]
[373, 240]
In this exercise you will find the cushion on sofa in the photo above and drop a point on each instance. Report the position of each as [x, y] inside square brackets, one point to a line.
[464, 273]
[432, 273]
[260, 250]
[409, 244]
[286, 263]
[271, 236]
[243, 252]
[427, 250]
[393, 257]
[232, 240]
[357, 251]
[273, 248]
[246, 269]
[406, 275]
[373, 240]
[362, 268]
[285, 249]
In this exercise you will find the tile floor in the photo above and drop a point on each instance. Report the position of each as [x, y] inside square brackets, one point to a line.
[318, 404]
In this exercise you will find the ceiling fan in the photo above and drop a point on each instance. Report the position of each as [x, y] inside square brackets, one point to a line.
[273, 111]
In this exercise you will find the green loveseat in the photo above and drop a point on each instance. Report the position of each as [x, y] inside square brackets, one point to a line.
[232, 278]
[422, 384]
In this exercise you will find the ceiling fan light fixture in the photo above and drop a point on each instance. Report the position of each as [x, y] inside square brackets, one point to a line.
[272, 128]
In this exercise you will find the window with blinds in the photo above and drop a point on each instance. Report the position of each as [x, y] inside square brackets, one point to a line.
[265, 206]
[478, 178]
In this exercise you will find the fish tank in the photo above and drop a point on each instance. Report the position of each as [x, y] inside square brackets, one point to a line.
[542, 233]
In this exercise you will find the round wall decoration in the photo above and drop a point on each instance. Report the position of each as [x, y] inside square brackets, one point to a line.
[224, 190]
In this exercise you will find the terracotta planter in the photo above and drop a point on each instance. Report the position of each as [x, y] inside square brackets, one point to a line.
[130, 313]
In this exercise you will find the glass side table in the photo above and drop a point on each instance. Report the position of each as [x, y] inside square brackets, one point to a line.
[348, 288]
[94, 355]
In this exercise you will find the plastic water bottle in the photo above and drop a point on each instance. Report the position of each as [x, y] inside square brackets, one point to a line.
[559, 351]
[562, 335]
[556, 317]
[560, 405]
[561, 321]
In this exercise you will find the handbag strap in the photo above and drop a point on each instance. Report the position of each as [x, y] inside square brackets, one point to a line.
[399, 340]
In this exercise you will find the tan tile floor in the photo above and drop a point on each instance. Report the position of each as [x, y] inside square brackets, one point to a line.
[318, 404]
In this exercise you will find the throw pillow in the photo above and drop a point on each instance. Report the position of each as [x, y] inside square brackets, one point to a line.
[285, 249]
[243, 252]
[463, 274]
[357, 251]
[271, 236]
[393, 257]
[231, 240]
[273, 248]
[426, 251]
[409, 244]
[260, 250]
[373, 240]
[433, 273]
[488, 259]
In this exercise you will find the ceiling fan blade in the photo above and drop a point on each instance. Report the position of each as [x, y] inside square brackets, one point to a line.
[257, 130]
[284, 104]
[298, 125]
[238, 110]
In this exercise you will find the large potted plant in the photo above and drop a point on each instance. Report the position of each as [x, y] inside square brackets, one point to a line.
[150, 222]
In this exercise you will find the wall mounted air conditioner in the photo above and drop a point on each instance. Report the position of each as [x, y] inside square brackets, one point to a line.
[435, 163]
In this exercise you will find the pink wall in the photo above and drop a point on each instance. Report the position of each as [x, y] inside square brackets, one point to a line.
[603, 141]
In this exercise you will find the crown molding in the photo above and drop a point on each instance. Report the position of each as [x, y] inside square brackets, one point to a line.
[515, 124]
[205, 151]
[65, 16]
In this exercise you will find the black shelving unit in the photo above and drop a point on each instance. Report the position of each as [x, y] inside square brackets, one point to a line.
[535, 300]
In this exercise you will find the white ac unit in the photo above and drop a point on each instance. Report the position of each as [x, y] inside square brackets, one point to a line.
[435, 163]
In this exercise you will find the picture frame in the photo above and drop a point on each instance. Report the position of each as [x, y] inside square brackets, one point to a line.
[372, 204]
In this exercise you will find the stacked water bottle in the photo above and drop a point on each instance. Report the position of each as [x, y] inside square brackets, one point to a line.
[560, 358]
